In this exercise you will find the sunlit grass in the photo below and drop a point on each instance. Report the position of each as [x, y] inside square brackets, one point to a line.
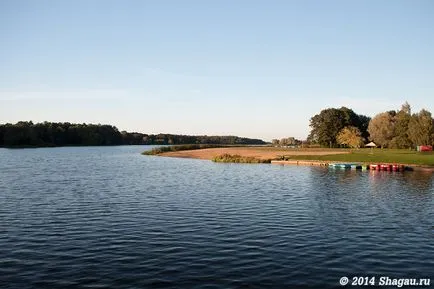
[374, 155]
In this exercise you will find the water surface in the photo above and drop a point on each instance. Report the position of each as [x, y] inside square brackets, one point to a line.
[97, 217]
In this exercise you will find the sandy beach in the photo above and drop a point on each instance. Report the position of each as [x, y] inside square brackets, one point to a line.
[257, 152]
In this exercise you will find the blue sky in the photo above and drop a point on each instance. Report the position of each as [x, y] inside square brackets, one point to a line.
[239, 67]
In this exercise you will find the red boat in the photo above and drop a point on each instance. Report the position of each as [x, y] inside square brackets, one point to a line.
[385, 167]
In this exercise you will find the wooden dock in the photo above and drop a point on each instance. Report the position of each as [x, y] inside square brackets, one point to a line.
[302, 163]
[358, 166]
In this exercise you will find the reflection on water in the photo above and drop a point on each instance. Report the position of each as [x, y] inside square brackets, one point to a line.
[421, 181]
[109, 217]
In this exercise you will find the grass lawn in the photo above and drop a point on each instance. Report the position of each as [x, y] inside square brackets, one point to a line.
[374, 156]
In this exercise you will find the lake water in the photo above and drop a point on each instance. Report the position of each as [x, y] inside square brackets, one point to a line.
[108, 217]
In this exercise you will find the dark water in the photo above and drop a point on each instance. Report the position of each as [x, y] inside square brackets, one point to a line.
[111, 218]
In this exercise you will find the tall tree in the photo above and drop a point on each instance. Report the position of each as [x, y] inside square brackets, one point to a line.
[288, 141]
[420, 128]
[432, 135]
[363, 124]
[329, 122]
[402, 119]
[275, 142]
[325, 126]
[406, 108]
[381, 128]
[350, 136]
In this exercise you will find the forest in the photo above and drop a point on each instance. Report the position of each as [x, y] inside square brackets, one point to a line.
[51, 134]
[401, 129]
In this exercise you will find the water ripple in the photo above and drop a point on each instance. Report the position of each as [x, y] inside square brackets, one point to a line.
[111, 218]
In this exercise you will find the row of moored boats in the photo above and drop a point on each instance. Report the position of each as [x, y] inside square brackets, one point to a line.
[374, 167]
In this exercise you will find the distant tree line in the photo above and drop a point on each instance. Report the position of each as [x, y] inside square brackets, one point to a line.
[28, 134]
[335, 127]
[289, 141]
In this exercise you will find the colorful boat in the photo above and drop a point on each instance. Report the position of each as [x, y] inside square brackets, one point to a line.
[373, 167]
[386, 167]
[344, 166]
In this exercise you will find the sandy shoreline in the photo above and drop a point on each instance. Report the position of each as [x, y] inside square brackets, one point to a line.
[262, 153]
[266, 153]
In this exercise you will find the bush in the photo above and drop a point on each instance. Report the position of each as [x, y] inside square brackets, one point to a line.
[228, 158]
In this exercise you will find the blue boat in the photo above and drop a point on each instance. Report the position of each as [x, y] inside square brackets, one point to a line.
[344, 166]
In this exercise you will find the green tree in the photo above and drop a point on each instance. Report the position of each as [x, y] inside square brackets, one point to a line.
[326, 125]
[21, 134]
[2, 134]
[432, 135]
[420, 128]
[406, 108]
[350, 136]
[283, 142]
[362, 124]
[381, 129]
[289, 141]
[402, 119]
